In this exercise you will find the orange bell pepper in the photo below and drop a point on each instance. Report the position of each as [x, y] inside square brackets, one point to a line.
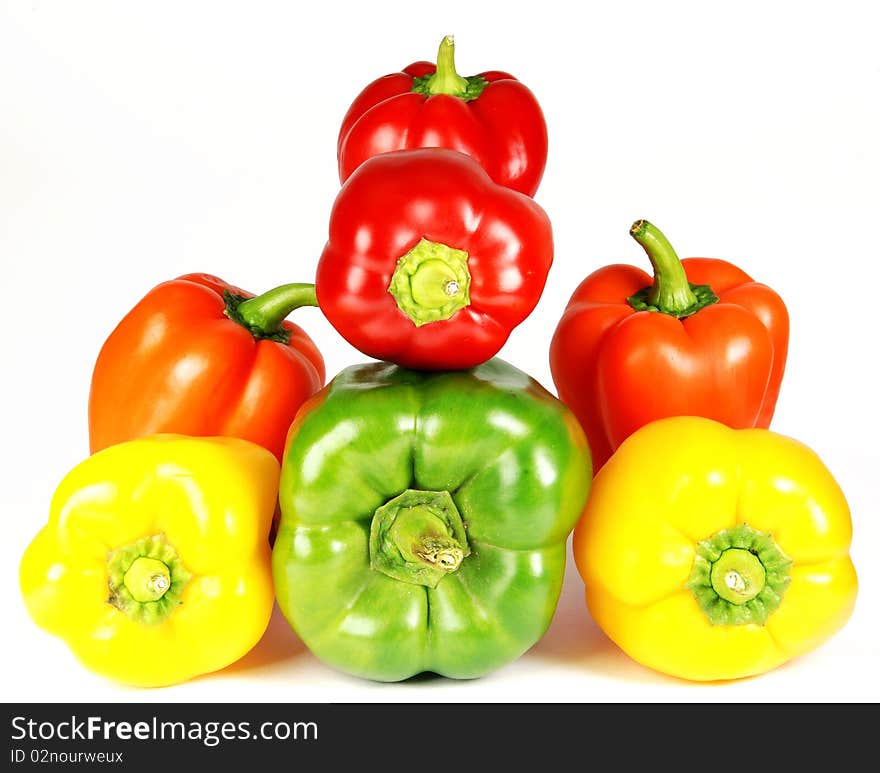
[702, 338]
[197, 356]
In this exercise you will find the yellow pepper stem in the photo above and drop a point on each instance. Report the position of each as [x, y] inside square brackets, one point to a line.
[739, 576]
[146, 579]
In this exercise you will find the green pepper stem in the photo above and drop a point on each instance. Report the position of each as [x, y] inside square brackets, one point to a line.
[670, 293]
[420, 535]
[266, 312]
[445, 79]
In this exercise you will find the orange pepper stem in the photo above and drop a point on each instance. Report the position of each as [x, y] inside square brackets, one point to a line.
[263, 315]
[671, 293]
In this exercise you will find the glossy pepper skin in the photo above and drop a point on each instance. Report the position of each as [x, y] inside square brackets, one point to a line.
[709, 553]
[429, 264]
[155, 566]
[702, 338]
[194, 357]
[491, 117]
[425, 517]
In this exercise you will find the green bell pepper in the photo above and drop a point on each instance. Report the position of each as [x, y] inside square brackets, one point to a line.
[424, 518]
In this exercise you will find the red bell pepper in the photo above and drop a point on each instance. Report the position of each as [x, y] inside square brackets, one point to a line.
[703, 338]
[195, 356]
[429, 263]
[492, 117]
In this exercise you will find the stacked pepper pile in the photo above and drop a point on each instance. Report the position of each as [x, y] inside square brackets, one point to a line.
[413, 514]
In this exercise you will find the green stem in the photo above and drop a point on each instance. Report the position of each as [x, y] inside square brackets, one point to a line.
[145, 579]
[446, 80]
[418, 537]
[263, 315]
[421, 535]
[670, 293]
[431, 282]
[739, 576]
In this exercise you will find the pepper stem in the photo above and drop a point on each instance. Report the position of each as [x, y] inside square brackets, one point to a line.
[431, 282]
[145, 579]
[739, 576]
[671, 293]
[263, 315]
[421, 535]
[418, 537]
[445, 79]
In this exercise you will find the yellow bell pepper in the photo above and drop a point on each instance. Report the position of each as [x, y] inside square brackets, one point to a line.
[709, 553]
[155, 563]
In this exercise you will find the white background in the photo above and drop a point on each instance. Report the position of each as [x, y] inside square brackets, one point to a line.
[139, 141]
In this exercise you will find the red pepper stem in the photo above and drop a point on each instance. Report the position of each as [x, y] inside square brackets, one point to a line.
[671, 293]
[446, 80]
[266, 312]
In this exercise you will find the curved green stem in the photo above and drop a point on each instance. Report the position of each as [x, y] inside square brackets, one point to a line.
[671, 293]
[263, 315]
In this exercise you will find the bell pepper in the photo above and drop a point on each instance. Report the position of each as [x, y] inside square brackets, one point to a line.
[430, 264]
[702, 338]
[424, 519]
[709, 553]
[491, 117]
[155, 566]
[198, 356]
